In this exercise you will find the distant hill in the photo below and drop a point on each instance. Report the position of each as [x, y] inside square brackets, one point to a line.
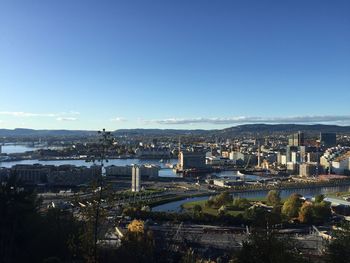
[282, 128]
[20, 132]
[258, 129]
[158, 132]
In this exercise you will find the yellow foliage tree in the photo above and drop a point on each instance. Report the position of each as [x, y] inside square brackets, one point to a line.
[136, 226]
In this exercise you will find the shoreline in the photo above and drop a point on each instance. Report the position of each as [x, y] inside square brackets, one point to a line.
[180, 198]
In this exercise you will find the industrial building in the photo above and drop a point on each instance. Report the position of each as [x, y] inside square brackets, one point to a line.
[153, 153]
[54, 175]
[147, 171]
[191, 160]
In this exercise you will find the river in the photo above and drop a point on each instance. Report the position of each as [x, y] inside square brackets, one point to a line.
[307, 192]
[16, 148]
[10, 148]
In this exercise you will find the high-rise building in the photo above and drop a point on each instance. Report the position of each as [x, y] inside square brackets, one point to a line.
[296, 139]
[295, 157]
[303, 156]
[328, 139]
[289, 151]
[136, 179]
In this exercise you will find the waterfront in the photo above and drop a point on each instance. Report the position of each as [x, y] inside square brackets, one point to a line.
[163, 172]
[117, 162]
[307, 192]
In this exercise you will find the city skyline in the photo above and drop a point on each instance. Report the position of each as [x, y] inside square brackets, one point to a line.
[174, 64]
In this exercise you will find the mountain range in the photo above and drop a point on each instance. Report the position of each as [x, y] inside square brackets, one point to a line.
[258, 129]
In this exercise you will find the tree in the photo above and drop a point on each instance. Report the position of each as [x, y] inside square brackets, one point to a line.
[268, 247]
[338, 249]
[98, 154]
[273, 198]
[257, 216]
[136, 226]
[241, 203]
[209, 203]
[322, 211]
[197, 209]
[138, 244]
[19, 220]
[222, 199]
[291, 206]
[306, 213]
[27, 235]
[319, 198]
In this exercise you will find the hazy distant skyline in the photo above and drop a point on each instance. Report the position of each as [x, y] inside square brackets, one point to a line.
[173, 64]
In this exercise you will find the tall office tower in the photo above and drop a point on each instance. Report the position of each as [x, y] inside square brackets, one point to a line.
[302, 150]
[296, 139]
[259, 157]
[328, 139]
[135, 179]
[288, 153]
[295, 157]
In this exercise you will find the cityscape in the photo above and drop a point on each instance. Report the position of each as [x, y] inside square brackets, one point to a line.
[174, 131]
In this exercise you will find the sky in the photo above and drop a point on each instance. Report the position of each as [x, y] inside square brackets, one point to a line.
[183, 64]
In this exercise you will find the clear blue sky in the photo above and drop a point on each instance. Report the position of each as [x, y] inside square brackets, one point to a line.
[80, 64]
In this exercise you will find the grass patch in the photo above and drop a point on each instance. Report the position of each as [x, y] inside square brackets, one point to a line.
[337, 194]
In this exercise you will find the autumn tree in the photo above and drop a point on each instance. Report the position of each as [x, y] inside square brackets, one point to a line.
[291, 206]
[306, 213]
[138, 244]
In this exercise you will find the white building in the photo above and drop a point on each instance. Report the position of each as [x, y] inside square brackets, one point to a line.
[236, 156]
[136, 179]
[341, 164]
[228, 183]
[281, 159]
